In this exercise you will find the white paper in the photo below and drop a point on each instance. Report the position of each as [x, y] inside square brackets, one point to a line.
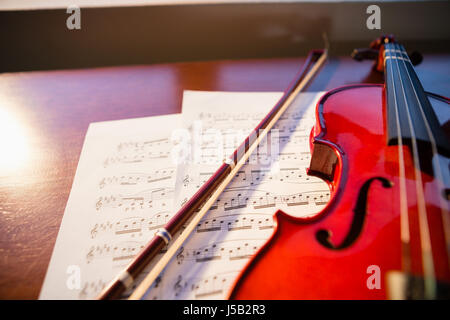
[127, 186]
[122, 192]
[241, 221]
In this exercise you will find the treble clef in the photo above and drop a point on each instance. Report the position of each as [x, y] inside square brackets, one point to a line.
[157, 281]
[177, 286]
[90, 254]
[180, 256]
[94, 231]
[99, 203]
[186, 181]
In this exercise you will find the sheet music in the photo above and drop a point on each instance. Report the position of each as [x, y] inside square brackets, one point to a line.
[122, 193]
[125, 189]
[241, 220]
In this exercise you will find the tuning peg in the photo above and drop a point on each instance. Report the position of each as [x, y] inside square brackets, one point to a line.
[372, 54]
[415, 57]
[364, 54]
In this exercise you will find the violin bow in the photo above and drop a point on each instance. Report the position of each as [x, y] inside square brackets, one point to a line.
[196, 208]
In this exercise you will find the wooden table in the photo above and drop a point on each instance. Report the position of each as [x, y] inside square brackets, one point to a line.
[50, 113]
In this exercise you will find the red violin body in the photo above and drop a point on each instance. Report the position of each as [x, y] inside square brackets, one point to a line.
[352, 249]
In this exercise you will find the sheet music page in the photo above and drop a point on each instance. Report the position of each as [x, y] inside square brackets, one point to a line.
[241, 220]
[122, 193]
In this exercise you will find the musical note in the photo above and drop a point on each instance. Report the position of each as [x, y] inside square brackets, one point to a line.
[235, 222]
[142, 146]
[211, 286]
[117, 252]
[124, 190]
[255, 176]
[180, 255]
[179, 285]
[102, 227]
[133, 179]
[233, 200]
[186, 181]
[154, 198]
[131, 226]
[124, 159]
[230, 249]
[241, 219]
[91, 288]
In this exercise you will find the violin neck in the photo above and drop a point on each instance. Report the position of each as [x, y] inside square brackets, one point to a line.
[410, 115]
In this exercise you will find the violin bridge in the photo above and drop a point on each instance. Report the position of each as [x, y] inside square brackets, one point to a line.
[323, 162]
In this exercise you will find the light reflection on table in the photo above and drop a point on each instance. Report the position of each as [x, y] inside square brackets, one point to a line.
[14, 143]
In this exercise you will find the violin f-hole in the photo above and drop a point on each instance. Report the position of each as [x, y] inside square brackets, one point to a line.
[360, 211]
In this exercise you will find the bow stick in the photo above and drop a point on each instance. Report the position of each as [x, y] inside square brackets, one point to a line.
[204, 198]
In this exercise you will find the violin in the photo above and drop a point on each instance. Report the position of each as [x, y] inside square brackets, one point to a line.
[385, 234]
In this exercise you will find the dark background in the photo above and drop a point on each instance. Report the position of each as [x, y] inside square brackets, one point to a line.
[40, 40]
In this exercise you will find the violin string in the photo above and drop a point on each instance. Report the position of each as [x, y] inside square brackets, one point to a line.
[436, 165]
[404, 219]
[427, 256]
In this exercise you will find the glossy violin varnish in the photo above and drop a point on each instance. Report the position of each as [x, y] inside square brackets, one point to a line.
[385, 232]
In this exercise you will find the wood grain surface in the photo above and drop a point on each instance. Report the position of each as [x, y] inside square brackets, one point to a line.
[50, 113]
